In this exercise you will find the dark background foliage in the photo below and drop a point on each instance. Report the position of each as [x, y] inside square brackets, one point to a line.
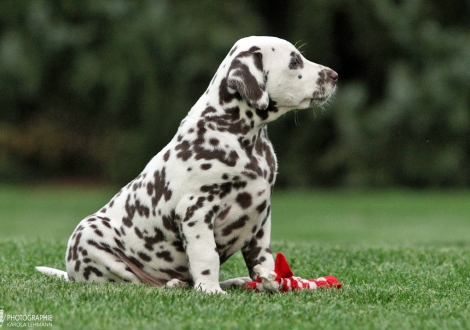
[92, 89]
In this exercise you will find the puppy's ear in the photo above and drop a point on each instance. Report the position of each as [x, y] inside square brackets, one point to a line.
[246, 76]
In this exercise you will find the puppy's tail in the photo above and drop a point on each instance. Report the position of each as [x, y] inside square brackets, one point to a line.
[53, 272]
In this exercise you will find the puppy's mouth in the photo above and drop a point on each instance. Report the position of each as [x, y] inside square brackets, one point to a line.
[319, 98]
[313, 101]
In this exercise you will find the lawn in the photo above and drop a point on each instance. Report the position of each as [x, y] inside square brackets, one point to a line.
[403, 257]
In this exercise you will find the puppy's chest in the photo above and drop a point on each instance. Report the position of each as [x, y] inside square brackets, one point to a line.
[260, 160]
[241, 215]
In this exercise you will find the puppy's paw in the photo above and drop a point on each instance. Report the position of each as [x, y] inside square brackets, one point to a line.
[209, 288]
[174, 283]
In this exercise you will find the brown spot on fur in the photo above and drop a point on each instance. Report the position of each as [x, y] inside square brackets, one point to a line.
[75, 247]
[184, 150]
[165, 255]
[166, 156]
[244, 199]
[161, 187]
[233, 50]
[208, 110]
[240, 223]
[90, 269]
[119, 243]
[144, 256]
[169, 221]
[260, 208]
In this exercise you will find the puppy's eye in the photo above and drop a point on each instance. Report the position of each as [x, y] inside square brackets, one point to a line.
[294, 63]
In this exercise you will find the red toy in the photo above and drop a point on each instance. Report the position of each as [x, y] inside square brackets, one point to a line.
[283, 280]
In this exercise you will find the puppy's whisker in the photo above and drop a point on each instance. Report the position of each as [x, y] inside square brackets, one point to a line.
[296, 119]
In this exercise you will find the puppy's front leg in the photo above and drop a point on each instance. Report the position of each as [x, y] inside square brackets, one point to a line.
[258, 250]
[198, 235]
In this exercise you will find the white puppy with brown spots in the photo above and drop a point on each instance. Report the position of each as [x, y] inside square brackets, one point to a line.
[206, 195]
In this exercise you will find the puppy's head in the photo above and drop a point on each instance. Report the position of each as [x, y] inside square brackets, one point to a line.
[269, 73]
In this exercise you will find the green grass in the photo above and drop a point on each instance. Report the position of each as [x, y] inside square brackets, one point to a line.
[404, 259]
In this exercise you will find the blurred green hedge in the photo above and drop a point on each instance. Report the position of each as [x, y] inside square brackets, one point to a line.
[94, 88]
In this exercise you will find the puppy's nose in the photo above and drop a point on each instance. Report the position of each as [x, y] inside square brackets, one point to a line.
[333, 75]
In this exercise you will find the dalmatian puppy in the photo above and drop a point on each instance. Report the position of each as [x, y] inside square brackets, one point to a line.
[206, 195]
